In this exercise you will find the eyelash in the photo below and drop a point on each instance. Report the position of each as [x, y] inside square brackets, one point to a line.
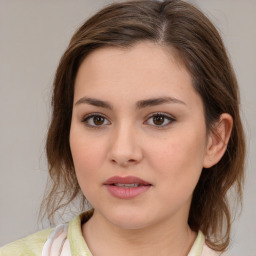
[167, 117]
[89, 117]
[86, 119]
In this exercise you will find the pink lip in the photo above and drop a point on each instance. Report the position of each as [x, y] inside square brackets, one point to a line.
[123, 192]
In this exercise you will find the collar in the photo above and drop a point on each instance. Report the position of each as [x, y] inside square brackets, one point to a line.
[79, 247]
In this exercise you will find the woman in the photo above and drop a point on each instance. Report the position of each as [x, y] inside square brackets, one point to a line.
[146, 127]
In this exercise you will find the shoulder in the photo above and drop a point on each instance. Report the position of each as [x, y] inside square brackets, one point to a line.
[209, 252]
[30, 246]
[201, 248]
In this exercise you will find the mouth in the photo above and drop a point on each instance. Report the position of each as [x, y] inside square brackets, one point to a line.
[128, 180]
[126, 187]
[133, 185]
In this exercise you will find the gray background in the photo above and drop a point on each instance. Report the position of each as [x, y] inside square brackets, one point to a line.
[33, 35]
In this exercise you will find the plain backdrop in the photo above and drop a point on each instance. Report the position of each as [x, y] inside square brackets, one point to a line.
[33, 36]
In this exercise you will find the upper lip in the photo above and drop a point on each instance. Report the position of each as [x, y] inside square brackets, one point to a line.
[126, 180]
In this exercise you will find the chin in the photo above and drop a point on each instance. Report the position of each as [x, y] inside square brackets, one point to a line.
[128, 219]
[130, 224]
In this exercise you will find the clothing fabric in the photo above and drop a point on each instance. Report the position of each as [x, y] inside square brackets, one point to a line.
[67, 240]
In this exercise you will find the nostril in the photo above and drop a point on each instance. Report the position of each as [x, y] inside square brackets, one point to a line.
[123, 162]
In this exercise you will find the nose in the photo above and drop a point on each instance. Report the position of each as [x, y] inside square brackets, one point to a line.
[125, 147]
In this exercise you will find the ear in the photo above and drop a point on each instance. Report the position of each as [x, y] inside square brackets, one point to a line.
[218, 140]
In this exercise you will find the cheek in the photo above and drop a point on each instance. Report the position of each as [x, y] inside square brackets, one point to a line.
[179, 158]
[87, 154]
[82, 157]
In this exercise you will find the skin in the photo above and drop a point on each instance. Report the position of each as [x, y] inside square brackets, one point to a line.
[127, 142]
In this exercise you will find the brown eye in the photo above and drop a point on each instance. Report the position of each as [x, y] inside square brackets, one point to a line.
[98, 120]
[158, 120]
[95, 121]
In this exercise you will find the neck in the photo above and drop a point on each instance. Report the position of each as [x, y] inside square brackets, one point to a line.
[103, 238]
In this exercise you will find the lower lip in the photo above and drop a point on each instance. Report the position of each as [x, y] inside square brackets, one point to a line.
[126, 193]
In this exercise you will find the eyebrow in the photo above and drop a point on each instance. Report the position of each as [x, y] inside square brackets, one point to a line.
[139, 105]
[94, 102]
[157, 101]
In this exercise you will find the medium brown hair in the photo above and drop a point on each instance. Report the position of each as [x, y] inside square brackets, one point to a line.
[183, 27]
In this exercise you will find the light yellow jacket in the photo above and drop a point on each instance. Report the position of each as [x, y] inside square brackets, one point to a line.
[71, 242]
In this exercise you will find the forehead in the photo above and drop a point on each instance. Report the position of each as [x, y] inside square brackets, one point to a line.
[143, 69]
[147, 54]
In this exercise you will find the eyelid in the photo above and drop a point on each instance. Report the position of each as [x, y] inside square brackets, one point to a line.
[169, 117]
[90, 115]
[165, 115]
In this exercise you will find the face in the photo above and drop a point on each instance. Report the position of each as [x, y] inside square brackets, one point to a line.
[138, 136]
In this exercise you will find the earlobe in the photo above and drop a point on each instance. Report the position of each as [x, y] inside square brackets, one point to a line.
[218, 140]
